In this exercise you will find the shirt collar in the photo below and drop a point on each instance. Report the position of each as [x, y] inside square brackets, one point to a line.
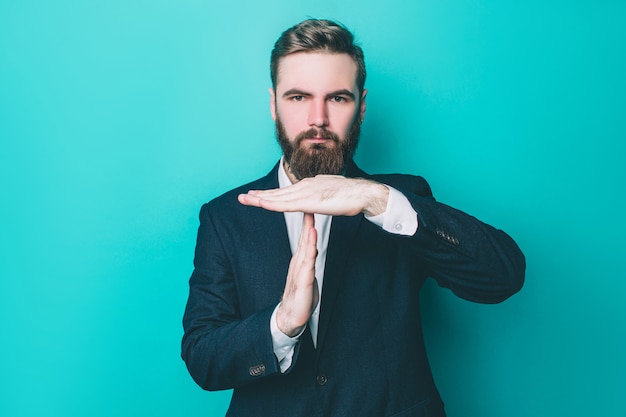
[283, 179]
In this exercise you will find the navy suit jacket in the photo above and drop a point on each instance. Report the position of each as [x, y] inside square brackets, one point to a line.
[370, 358]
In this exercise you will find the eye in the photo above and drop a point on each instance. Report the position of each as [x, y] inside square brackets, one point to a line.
[296, 98]
[338, 99]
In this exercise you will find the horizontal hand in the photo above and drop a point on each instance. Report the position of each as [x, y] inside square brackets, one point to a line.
[333, 195]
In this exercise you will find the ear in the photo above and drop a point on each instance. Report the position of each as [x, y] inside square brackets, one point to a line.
[363, 105]
[272, 103]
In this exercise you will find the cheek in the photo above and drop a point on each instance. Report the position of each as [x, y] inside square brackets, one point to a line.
[287, 111]
[293, 121]
[292, 129]
[344, 123]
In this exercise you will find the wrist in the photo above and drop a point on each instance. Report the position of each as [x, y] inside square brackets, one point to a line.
[376, 198]
[287, 328]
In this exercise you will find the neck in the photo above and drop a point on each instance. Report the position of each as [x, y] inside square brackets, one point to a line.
[290, 175]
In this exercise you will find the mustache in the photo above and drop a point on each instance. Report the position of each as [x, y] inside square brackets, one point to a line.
[316, 133]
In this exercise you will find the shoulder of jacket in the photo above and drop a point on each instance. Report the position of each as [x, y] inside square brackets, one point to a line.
[405, 182]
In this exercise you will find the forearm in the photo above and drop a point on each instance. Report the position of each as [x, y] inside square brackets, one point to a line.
[223, 355]
[223, 341]
[475, 260]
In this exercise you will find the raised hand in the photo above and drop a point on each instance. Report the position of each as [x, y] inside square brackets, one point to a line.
[301, 294]
[334, 195]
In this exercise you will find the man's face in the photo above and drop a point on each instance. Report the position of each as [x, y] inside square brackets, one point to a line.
[318, 111]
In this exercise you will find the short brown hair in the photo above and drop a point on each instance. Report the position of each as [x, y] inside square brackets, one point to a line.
[314, 35]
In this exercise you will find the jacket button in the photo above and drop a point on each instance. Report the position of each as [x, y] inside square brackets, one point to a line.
[257, 370]
[321, 380]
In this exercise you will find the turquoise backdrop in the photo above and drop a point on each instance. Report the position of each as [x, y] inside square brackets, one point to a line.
[118, 119]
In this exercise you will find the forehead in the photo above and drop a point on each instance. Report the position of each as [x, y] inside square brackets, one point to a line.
[317, 70]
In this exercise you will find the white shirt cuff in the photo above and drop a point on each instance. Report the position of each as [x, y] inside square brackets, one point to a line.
[399, 217]
[283, 345]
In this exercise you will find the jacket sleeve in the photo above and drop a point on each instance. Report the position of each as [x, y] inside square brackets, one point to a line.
[221, 349]
[476, 261]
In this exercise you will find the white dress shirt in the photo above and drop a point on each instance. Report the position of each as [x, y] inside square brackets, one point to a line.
[399, 218]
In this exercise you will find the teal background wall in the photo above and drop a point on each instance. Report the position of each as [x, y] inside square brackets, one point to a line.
[118, 119]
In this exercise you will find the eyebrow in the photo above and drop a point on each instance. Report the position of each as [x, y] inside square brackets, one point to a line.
[342, 92]
[295, 92]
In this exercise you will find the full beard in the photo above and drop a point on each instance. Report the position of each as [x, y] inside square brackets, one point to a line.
[318, 158]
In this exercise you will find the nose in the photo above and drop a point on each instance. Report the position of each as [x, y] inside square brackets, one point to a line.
[318, 113]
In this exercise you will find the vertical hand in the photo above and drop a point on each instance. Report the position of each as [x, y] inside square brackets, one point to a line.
[301, 294]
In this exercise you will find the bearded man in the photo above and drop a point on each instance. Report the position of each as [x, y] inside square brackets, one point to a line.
[304, 298]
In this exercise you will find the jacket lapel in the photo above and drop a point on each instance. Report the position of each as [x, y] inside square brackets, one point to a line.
[340, 243]
[272, 241]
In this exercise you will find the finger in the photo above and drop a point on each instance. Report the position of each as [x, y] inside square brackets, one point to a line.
[308, 221]
[304, 244]
[282, 195]
[290, 206]
[305, 186]
[267, 192]
[274, 192]
[308, 225]
[249, 200]
[292, 202]
[311, 247]
[302, 251]
[273, 203]
[307, 247]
